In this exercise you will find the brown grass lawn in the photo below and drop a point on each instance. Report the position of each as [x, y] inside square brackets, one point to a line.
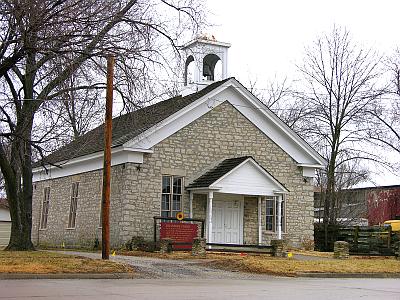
[291, 267]
[313, 253]
[265, 264]
[40, 262]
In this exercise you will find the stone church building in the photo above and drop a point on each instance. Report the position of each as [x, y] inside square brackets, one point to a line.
[215, 153]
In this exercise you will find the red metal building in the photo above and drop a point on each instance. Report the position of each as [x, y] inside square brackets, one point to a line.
[383, 204]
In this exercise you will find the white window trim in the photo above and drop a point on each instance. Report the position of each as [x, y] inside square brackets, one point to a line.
[182, 194]
[70, 203]
[42, 207]
[274, 225]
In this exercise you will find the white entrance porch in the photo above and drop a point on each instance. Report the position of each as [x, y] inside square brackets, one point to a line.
[225, 186]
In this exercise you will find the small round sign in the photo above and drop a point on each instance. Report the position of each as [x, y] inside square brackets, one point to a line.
[180, 216]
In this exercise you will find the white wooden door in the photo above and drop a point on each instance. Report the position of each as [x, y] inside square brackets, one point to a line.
[227, 220]
[218, 234]
[232, 222]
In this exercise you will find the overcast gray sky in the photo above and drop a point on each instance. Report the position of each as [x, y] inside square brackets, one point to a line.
[268, 37]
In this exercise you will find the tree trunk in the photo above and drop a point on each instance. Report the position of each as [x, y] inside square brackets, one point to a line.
[19, 186]
[21, 222]
[329, 203]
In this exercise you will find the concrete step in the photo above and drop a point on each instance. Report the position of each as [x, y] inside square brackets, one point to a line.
[239, 248]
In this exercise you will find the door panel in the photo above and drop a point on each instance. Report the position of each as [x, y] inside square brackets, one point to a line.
[232, 222]
[226, 221]
[217, 220]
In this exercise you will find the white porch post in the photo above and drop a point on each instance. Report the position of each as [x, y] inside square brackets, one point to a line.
[279, 217]
[191, 204]
[210, 197]
[259, 221]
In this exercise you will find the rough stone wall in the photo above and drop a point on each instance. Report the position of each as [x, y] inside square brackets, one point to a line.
[199, 206]
[199, 210]
[136, 192]
[221, 133]
[87, 227]
[250, 221]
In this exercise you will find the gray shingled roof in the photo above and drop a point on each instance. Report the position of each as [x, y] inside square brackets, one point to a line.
[125, 127]
[221, 169]
[217, 172]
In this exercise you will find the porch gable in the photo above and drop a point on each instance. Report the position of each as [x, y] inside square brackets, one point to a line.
[241, 175]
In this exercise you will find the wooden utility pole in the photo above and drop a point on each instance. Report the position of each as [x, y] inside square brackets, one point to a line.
[105, 201]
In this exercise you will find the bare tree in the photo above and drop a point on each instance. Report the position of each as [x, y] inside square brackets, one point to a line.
[2, 187]
[43, 44]
[340, 87]
[273, 93]
[385, 130]
[280, 97]
[79, 110]
[12, 50]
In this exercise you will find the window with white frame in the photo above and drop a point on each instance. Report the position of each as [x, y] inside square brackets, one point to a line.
[171, 196]
[73, 205]
[45, 208]
[270, 219]
[272, 214]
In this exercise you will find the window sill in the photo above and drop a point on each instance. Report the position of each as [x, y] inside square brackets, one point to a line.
[70, 228]
[273, 232]
[42, 229]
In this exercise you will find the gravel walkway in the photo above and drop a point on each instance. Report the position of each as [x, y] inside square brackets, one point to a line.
[149, 267]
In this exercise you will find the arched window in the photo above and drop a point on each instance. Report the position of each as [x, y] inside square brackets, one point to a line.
[189, 70]
[209, 63]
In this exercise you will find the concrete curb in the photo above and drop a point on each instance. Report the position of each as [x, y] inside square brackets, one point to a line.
[349, 275]
[12, 276]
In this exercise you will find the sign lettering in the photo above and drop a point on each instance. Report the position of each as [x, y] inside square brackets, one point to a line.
[180, 233]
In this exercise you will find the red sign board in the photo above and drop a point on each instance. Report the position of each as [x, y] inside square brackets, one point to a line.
[179, 233]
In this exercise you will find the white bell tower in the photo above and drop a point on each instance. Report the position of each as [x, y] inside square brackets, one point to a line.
[206, 61]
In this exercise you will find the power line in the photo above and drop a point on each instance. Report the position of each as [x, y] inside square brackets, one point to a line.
[237, 105]
[255, 89]
[84, 99]
[271, 108]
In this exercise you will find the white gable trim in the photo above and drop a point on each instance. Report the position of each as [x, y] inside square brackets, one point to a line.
[247, 178]
[309, 166]
[320, 161]
[279, 188]
[89, 163]
[233, 92]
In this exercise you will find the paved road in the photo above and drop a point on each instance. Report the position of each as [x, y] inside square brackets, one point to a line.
[273, 288]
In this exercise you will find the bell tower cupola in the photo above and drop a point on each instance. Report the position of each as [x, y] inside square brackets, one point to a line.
[206, 61]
